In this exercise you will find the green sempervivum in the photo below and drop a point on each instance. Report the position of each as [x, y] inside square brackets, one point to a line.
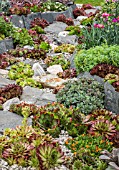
[20, 70]
[53, 117]
[59, 59]
[111, 78]
[85, 94]
[69, 48]
[28, 82]
[74, 30]
[18, 108]
[49, 155]
[38, 29]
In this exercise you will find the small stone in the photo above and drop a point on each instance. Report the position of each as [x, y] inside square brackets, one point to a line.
[38, 70]
[63, 34]
[80, 18]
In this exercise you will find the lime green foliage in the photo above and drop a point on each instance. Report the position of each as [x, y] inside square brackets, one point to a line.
[28, 82]
[6, 28]
[86, 151]
[85, 60]
[22, 37]
[20, 70]
[92, 2]
[85, 94]
[74, 30]
[38, 29]
[45, 46]
[23, 73]
[52, 6]
[59, 59]
[65, 48]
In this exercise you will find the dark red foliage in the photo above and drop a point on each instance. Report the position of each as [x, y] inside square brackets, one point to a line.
[116, 85]
[10, 91]
[61, 18]
[102, 70]
[29, 53]
[19, 10]
[39, 22]
[6, 59]
[69, 21]
[79, 12]
[87, 6]
[69, 73]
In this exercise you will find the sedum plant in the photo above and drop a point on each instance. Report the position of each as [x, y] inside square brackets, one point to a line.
[86, 150]
[85, 94]
[85, 60]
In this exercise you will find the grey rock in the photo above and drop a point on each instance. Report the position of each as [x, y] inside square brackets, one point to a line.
[55, 28]
[18, 21]
[69, 39]
[2, 47]
[30, 17]
[71, 59]
[3, 72]
[7, 104]
[111, 98]
[9, 44]
[10, 120]
[31, 94]
[4, 81]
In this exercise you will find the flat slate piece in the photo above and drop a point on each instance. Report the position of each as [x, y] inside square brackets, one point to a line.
[10, 120]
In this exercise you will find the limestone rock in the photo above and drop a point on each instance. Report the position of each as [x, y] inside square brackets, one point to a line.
[38, 70]
[55, 69]
[51, 81]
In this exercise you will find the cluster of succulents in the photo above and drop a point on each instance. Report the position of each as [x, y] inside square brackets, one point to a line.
[69, 48]
[85, 94]
[68, 73]
[23, 73]
[103, 122]
[10, 91]
[39, 22]
[6, 60]
[79, 12]
[27, 146]
[18, 108]
[62, 18]
[28, 53]
[38, 29]
[59, 59]
[96, 55]
[20, 70]
[19, 10]
[22, 37]
[74, 30]
[87, 21]
[102, 70]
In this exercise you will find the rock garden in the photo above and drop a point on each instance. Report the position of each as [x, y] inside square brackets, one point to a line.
[59, 85]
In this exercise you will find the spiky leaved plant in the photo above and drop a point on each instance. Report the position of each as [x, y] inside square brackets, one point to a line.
[102, 127]
[49, 155]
